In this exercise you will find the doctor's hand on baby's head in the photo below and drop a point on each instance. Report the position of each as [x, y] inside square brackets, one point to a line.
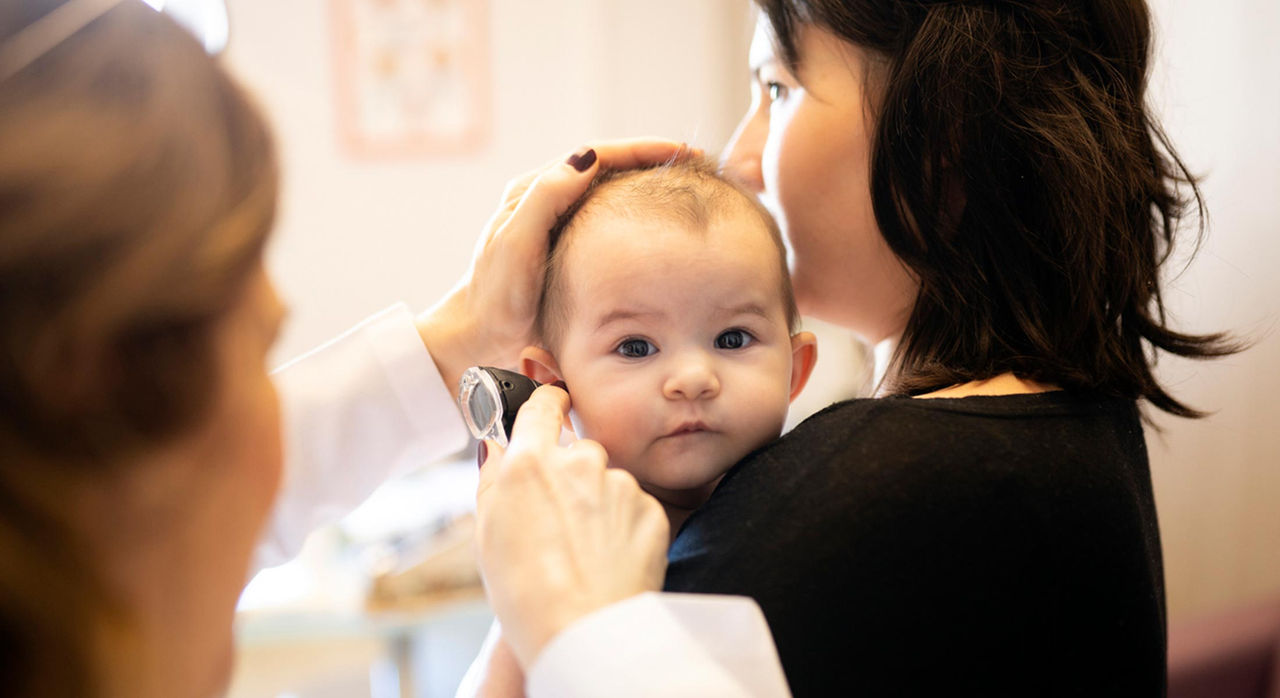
[488, 316]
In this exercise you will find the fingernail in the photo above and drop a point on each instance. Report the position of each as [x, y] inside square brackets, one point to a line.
[482, 454]
[582, 160]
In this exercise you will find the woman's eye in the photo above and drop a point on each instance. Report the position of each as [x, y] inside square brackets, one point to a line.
[733, 339]
[777, 91]
[636, 348]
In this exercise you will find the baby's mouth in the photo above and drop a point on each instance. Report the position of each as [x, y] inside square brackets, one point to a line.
[687, 428]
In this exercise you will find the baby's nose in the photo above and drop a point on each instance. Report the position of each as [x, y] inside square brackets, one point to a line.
[693, 379]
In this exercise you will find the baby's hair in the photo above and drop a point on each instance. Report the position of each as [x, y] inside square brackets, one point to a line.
[690, 192]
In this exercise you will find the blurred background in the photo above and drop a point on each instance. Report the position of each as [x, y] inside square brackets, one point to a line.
[379, 208]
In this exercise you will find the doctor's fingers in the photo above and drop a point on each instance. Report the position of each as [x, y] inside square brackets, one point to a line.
[533, 202]
[550, 191]
[627, 153]
[637, 510]
[530, 206]
[513, 193]
[616, 154]
[539, 422]
[534, 439]
[550, 194]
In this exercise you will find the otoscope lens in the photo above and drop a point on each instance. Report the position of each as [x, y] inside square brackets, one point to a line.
[484, 410]
[479, 399]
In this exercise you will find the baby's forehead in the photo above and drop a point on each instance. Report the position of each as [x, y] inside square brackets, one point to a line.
[664, 238]
[613, 258]
[684, 229]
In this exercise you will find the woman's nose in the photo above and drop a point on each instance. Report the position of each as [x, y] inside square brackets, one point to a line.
[741, 160]
[693, 379]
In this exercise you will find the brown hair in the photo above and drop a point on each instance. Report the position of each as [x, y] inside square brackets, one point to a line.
[1019, 175]
[137, 189]
[689, 191]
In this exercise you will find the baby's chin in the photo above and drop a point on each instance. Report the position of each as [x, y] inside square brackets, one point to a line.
[682, 498]
[680, 472]
[680, 483]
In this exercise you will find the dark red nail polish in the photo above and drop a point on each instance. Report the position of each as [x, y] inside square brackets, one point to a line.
[581, 161]
[482, 454]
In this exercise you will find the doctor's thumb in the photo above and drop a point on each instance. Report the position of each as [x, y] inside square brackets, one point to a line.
[488, 452]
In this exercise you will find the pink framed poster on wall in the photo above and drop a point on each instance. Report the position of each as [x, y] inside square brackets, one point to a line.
[412, 76]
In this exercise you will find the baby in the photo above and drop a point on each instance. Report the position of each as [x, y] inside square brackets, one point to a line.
[668, 313]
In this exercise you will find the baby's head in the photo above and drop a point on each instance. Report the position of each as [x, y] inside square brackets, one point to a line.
[667, 311]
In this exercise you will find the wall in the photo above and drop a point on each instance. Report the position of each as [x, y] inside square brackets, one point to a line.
[1217, 81]
[355, 235]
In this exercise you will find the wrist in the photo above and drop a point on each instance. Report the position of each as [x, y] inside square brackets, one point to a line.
[552, 621]
[450, 338]
[528, 645]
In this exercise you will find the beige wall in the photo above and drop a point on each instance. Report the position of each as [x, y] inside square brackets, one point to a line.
[1218, 480]
[355, 235]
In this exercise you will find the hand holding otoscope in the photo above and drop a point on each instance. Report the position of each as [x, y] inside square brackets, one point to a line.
[560, 526]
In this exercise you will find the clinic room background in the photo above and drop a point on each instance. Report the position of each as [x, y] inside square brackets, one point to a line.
[361, 230]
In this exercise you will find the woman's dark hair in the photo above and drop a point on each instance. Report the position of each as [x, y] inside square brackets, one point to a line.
[1018, 173]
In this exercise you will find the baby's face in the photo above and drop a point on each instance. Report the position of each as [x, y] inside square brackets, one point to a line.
[676, 349]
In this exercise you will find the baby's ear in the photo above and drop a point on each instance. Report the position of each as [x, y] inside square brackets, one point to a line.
[804, 354]
[538, 364]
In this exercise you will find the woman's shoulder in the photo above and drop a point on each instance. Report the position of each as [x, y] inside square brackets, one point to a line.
[1026, 437]
[904, 421]
[1048, 404]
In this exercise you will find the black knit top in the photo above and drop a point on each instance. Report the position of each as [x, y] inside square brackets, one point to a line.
[972, 546]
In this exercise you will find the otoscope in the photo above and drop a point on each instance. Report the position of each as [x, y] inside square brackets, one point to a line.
[489, 398]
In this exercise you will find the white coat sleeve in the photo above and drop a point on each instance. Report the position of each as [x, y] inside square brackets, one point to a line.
[660, 644]
[356, 411]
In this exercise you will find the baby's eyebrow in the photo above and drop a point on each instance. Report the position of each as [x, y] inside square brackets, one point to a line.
[746, 309]
[626, 314]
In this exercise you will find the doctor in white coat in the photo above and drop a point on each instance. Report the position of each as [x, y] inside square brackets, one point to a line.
[141, 443]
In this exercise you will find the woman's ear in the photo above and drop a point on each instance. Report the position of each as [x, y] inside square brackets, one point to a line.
[804, 354]
[538, 364]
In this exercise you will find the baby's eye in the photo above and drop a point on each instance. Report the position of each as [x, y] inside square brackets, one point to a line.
[636, 348]
[734, 339]
[777, 91]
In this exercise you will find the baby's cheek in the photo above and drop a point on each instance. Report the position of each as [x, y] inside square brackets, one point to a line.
[598, 423]
[768, 412]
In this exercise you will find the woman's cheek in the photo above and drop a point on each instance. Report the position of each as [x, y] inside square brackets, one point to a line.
[769, 167]
[781, 164]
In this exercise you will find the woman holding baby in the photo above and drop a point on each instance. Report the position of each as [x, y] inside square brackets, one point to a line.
[976, 187]
[979, 190]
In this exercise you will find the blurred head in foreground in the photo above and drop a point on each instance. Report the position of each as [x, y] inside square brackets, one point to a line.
[139, 436]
